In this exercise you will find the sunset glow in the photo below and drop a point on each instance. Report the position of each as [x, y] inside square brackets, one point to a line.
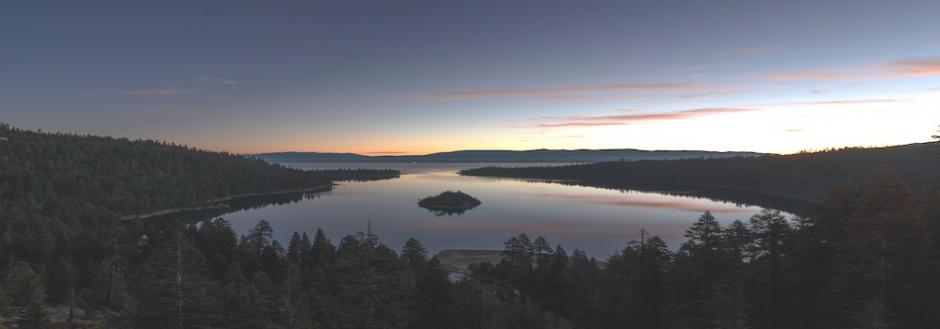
[474, 77]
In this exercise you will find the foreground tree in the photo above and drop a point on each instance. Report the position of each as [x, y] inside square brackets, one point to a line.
[175, 292]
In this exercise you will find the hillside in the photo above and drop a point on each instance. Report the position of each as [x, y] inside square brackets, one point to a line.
[541, 155]
[107, 176]
[804, 176]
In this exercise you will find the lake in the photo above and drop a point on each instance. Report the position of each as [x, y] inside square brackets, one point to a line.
[597, 220]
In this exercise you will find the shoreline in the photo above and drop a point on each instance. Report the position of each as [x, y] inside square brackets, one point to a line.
[209, 204]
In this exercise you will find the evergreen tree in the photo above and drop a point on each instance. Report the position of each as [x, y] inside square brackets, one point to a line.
[415, 256]
[542, 251]
[323, 249]
[175, 292]
[295, 248]
[770, 231]
[260, 237]
[435, 304]
[704, 236]
[887, 245]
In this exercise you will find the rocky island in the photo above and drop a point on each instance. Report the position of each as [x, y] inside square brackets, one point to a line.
[449, 202]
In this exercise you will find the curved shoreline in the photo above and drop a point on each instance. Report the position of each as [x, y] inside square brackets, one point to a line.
[209, 203]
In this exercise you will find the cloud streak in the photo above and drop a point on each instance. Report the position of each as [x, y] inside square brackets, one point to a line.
[840, 102]
[897, 69]
[221, 81]
[150, 92]
[917, 67]
[567, 92]
[626, 119]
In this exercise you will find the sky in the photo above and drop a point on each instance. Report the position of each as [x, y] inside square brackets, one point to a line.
[414, 77]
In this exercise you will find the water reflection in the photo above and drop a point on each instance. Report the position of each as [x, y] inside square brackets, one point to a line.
[597, 219]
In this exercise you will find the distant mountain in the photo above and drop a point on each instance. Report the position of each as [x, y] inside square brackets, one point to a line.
[499, 156]
[808, 176]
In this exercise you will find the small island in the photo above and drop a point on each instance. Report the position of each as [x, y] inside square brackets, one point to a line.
[449, 203]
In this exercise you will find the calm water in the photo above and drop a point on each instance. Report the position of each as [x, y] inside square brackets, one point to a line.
[597, 220]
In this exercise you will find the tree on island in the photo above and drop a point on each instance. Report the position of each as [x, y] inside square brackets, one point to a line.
[449, 203]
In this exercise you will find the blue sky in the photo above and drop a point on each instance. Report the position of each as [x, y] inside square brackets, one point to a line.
[424, 76]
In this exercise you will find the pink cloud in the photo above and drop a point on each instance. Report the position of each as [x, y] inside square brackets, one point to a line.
[819, 75]
[917, 67]
[898, 69]
[625, 119]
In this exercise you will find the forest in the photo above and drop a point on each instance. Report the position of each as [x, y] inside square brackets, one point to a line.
[865, 256]
[807, 175]
[62, 196]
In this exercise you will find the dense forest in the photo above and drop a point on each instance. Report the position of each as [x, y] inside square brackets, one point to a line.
[62, 195]
[865, 256]
[806, 176]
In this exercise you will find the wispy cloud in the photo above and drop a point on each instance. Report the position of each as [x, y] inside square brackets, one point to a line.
[568, 92]
[839, 102]
[625, 119]
[149, 92]
[218, 80]
[917, 67]
[897, 69]
[818, 75]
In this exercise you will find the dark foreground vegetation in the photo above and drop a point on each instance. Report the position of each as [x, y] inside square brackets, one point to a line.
[807, 176]
[867, 256]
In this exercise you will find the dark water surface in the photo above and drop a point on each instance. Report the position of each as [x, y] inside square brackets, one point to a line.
[598, 220]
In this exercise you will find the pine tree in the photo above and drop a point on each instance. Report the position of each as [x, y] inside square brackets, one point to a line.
[703, 236]
[770, 231]
[175, 291]
[415, 256]
[295, 248]
[887, 240]
[323, 249]
[542, 251]
[260, 236]
[434, 303]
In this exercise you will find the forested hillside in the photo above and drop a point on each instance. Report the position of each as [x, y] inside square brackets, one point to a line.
[63, 171]
[823, 271]
[804, 176]
[864, 257]
[62, 195]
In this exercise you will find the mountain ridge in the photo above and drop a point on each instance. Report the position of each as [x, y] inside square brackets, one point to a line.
[534, 155]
